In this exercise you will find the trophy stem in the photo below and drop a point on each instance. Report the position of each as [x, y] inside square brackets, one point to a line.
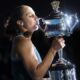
[60, 53]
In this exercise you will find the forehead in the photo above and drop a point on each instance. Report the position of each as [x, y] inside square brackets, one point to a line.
[27, 10]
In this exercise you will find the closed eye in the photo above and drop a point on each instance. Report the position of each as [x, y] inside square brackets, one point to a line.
[31, 15]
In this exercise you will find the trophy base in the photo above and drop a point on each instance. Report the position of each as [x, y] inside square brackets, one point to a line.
[63, 71]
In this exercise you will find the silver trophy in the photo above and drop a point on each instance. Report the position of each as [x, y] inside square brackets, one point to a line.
[61, 24]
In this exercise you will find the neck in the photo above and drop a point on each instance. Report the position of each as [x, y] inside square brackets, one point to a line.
[27, 34]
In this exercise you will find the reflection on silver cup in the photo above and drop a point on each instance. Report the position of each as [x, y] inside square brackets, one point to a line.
[62, 26]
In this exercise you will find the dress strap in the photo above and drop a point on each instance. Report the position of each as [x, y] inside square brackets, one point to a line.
[38, 55]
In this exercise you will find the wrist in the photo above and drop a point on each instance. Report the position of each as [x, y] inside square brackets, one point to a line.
[53, 51]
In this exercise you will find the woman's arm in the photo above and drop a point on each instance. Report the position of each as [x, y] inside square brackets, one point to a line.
[36, 70]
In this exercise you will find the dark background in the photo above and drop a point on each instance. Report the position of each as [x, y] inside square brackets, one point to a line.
[42, 8]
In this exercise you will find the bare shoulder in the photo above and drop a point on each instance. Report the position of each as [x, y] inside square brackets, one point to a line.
[21, 40]
[22, 44]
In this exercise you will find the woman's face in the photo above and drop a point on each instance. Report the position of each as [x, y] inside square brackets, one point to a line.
[29, 19]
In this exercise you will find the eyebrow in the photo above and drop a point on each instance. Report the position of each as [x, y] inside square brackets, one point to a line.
[29, 13]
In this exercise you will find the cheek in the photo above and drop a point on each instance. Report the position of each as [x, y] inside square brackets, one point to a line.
[29, 23]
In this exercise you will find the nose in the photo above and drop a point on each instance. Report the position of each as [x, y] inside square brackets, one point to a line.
[35, 17]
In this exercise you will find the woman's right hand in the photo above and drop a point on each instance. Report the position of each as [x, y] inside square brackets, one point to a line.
[58, 43]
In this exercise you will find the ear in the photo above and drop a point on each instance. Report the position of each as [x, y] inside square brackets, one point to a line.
[20, 22]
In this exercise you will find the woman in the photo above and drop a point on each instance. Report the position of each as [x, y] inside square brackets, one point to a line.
[24, 54]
